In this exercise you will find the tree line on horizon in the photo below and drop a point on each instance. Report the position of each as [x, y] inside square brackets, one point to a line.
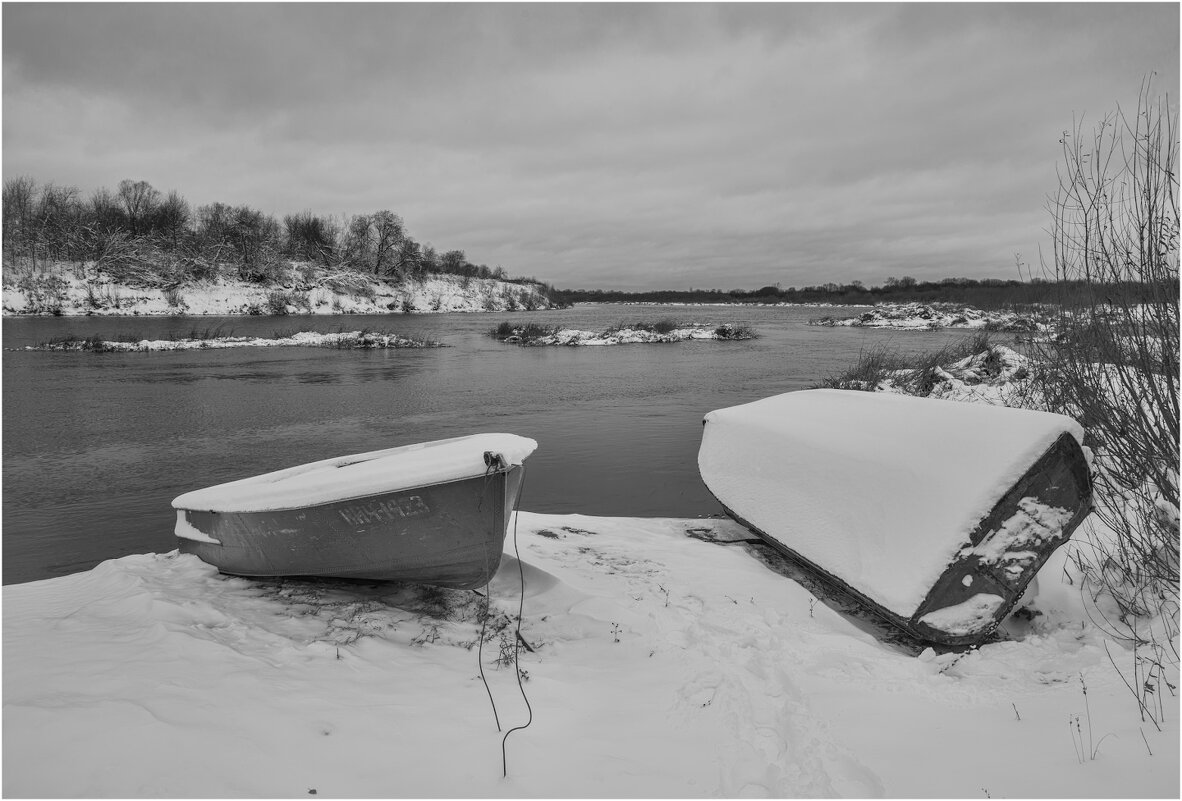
[985, 293]
[142, 235]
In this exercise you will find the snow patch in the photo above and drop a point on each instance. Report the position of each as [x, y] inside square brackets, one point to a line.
[967, 617]
[1010, 544]
[187, 531]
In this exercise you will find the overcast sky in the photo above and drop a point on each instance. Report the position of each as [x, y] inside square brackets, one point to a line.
[617, 146]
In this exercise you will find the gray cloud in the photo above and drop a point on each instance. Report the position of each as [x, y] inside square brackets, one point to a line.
[617, 145]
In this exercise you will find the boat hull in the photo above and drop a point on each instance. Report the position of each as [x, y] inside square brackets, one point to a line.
[449, 534]
[1059, 478]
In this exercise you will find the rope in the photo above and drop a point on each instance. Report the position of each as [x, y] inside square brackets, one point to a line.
[517, 640]
[488, 472]
[480, 654]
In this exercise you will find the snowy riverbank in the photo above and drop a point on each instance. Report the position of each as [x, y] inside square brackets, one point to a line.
[74, 290]
[936, 316]
[663, 666]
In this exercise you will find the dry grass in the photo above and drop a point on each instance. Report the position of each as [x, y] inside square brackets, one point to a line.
[917, 373]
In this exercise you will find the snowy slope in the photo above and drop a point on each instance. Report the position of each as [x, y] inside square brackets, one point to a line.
[664, 666]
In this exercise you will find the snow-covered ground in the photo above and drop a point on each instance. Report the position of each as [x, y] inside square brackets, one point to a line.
[72, 290]
[665, 657]
[356, 340]
[936, 316]
[663, 665]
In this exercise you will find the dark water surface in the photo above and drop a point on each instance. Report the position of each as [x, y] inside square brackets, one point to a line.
[96, 446]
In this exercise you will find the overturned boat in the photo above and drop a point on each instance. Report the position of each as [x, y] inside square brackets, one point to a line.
[934, 515]
[430, 513]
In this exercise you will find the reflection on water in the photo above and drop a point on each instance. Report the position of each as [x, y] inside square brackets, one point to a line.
[97, 445]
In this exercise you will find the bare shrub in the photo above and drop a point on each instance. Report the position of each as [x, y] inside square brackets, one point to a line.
[664, 326]
[44, 294]
[277, 302]
[345, 282]
[734, 332]
[1114, 364]
[522, 333]
[173, 297]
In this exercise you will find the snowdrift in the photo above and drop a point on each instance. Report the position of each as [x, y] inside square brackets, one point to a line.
[663, 666]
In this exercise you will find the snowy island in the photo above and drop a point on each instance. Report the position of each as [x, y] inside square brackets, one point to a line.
[663, 331]
[342, 340]
[936, 316]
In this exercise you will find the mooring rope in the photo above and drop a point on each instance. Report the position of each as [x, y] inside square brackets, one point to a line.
[494, 462]
[491, 466]
[517, 639]
[480, 654]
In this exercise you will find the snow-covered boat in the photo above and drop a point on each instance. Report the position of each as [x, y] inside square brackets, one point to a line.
[429, 513]
[933, 514]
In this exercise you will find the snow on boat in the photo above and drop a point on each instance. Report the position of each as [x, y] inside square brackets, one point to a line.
[429, 513]
[934, 514]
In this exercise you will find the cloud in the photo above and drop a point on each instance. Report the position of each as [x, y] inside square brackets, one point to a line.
[622, 145]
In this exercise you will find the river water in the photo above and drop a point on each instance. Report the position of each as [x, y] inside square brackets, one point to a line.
[97, 445]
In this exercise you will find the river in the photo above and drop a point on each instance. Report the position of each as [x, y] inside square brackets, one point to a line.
[96, 445]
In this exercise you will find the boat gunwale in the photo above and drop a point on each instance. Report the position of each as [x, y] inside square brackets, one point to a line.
[486, 474]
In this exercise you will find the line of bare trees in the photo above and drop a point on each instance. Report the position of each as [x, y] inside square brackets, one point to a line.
[140, 234]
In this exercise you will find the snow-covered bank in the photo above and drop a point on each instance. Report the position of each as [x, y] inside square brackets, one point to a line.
[997, 375]
[624, 335]
[663, 666]
[936, 316]
[344, 340]
[72, 290]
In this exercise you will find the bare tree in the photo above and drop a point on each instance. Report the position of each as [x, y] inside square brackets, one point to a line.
[213, 224]
[58, 221]
[254, 237]
[410, 258]
[139, 200]
[310, 237]
[452, 262]
[171, 217]
[357, 243]
[18, 200]
[388, 234]
[106, 211]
